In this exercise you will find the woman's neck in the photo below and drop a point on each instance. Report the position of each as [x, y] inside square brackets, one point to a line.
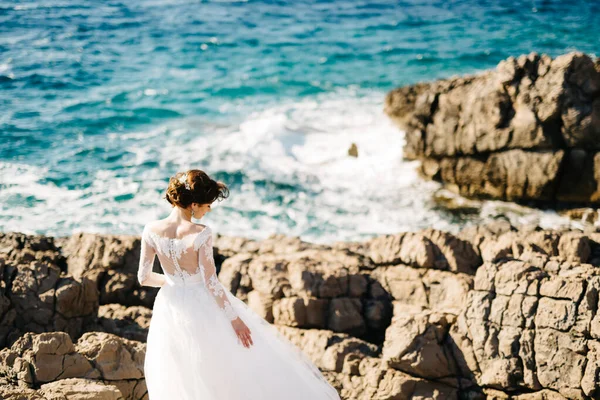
[179, 214]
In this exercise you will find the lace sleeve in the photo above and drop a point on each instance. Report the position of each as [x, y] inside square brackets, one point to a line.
[206, 263]
[145, 275]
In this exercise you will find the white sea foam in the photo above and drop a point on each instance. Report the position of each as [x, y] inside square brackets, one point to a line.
[19, 182]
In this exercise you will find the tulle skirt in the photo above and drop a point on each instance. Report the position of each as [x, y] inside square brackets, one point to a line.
[193, 353]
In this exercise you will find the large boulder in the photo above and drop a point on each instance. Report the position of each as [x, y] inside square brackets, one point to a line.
[528, 130]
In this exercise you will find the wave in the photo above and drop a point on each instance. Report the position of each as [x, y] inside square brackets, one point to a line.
[287, 167]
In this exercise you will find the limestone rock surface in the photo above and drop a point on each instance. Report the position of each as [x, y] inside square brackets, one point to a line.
[527, 130]
[491, 312]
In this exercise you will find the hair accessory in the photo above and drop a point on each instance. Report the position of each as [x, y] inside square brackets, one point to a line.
[183, 179]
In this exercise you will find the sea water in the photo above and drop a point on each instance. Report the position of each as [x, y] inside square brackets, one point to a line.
[103, 101]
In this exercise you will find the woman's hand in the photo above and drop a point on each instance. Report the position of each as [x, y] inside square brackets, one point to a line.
[242, 332]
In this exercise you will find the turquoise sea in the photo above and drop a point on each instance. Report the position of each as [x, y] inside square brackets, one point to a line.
[102, 101]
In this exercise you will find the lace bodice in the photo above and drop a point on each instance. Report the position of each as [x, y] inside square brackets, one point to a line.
[184, 261]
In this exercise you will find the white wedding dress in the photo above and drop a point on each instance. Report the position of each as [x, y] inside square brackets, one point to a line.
[192, 350]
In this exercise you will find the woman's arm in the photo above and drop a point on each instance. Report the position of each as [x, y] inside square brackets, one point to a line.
[207, 265]
[145, 275]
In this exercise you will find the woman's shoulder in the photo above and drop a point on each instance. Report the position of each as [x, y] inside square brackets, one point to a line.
[159, 226]
[204, 230]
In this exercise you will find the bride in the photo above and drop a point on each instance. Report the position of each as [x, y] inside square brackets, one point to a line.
[203, 342]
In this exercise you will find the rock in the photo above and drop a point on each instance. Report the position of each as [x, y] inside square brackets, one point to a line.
[269, 275]
[377, 314]
[284, 244]
[230, 246]
[51, 359]
[37, 298]
[115, 358]
[541, 395]
[327, 274]
[353, 150]
[590, 384]
[426, 249]
[116, 287]
[86, 251]
[527, 130]
[526, 327]
[410, 249]
[19, 393]
[345, 315]
[455, 255]
[494, 311]
[574, 247]
[235, 277]
[77, 388]
[414, 343]
[18, 248]
[475, 233]
[569, 246]
[560, 360]
[111, 262]
[396, 385]
[46, 357]
[587, 215]
[450, 201]
[558, 314]
[578, 180]
[345, 356]
[262, 304]
[300, 312]
[437, 290]
[127, 322]
[512, 175]
[307, 273]
[328, 350]
[132, 389]
[312, 342]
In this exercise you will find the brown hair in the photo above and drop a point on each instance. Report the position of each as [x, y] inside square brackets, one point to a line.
[202, 189]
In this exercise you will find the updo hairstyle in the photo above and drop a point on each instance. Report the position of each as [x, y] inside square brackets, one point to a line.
[202, 189]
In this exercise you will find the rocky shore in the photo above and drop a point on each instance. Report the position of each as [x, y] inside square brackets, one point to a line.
[491, 312]
[528, 130]
[494, 312]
